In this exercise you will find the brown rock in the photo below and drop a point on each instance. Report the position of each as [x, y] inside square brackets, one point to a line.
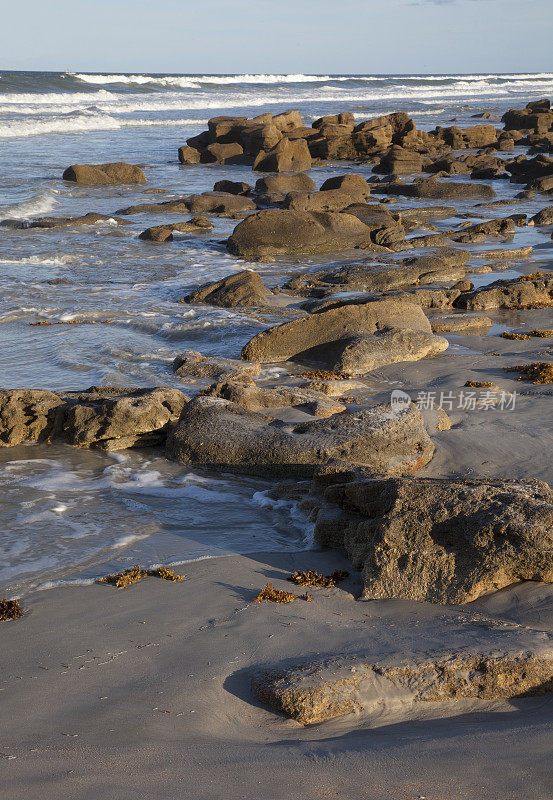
[440, 540]
[104, 174]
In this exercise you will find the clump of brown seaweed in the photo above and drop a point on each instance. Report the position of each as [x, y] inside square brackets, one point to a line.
[538, 334]
[10, 609]
[324, 375]
[480, 384]
[537, 372]
[272, 595]
[535, 276]
[310, 577]
[135, 574]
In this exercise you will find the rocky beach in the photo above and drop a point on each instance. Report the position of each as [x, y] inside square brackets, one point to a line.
[275, 423]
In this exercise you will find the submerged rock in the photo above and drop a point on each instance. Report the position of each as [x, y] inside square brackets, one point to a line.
[218, 434]
[164, 233]
[191, 364]
[441, 540]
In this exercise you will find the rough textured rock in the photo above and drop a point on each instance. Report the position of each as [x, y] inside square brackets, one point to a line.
[300, 337]
[444, 265]
[104, 174]
[240, 289]
[286, 156]
[498, 665]
[102, 417]
[441, 540]
[283, 184]
[218, 434]
[114, 419]
[544, 217]
[399, 161]
[516, 293]
[189, 155]
[27, 415]
[282, 232]
[192, 364]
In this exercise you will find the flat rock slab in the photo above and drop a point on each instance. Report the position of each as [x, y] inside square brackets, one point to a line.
[441, 540]
[460, 323]
[216, 433]
[489, 660]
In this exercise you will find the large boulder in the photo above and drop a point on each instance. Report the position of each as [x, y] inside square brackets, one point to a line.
[286, 232]
[104, 174]
[240, 289]
[441, 540]
[298, 338]
[217, 434]
[286, 156]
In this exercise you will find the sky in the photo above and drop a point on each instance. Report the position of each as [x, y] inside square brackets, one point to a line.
[278, 36]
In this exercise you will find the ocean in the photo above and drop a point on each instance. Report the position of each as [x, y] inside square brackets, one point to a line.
[69, 514]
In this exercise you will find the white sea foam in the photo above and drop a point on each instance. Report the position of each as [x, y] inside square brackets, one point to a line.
[37, 205]
[11, 129]
[39, 261]
[192, 81]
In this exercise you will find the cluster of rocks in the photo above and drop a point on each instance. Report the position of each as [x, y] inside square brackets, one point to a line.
[282, 143]
[108, 418]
